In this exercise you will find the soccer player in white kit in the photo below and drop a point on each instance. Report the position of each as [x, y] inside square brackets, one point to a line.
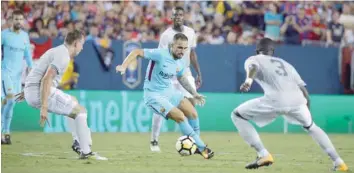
[190, 57]
[41, 90]
[284, 94]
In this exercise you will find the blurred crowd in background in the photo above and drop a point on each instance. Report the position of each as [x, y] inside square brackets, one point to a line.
[215, 22]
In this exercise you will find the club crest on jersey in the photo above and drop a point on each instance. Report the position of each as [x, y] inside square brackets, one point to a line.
[132, 76]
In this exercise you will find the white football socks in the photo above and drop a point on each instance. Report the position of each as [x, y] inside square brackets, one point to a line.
[83, 132]
[249, 134]
[325, 143]
[72, 128]
[156, 127]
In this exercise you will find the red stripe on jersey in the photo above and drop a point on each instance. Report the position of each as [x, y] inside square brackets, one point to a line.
[151, 68]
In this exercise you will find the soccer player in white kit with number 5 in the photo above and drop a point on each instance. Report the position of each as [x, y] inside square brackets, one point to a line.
[284, 94]
[41, 90]
[190, 57]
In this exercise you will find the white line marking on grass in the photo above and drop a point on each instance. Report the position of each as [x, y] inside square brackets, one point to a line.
[47, 156]
[32, 154]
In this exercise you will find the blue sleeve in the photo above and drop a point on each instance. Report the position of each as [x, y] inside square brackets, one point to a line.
[28, 53]
[153, 54]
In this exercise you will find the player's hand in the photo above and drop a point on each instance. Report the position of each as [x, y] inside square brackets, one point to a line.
[121, 69]
[198, 82]
[44, 117]
[20, 97]
[199, 99]
[245, 87]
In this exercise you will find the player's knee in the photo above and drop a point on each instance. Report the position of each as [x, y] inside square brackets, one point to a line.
[78, 109]
[81, 115]
[194, 114]
[177, 115]
[179, 118]
[188, 110]
[81, 109]
[235, 115]
[310, 127]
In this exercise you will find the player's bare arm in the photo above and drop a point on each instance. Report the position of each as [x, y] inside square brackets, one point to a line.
[132, 56]
[195, 63]
[184, 82]
[251, 73]
[197, 98]
[306, 95]
[46, 84]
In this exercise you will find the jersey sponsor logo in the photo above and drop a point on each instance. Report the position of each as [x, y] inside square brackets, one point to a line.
[166, 75]
[132, 77]
[15, 49]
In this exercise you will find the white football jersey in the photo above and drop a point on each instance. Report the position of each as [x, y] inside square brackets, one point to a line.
[279, 80]
[57, 57]
[167, 38]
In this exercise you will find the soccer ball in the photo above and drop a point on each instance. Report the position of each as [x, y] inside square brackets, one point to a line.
[185, 146]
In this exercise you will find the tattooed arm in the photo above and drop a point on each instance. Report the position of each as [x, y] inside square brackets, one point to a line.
[197, 99]
[186, 85]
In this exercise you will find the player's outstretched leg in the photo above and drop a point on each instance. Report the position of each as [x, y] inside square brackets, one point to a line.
[7, 118]
[323, 140]
[84, 134]
[76, 145]
[177, 115]
[155, 132]
[193, 119]
[250, 135]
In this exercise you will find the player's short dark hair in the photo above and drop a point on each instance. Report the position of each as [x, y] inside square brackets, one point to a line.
[17, 13]
[73, 36]
[265, 46]
[180, 36]
[178, 9]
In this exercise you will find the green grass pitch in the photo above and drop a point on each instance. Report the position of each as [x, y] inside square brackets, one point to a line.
[130, 153]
